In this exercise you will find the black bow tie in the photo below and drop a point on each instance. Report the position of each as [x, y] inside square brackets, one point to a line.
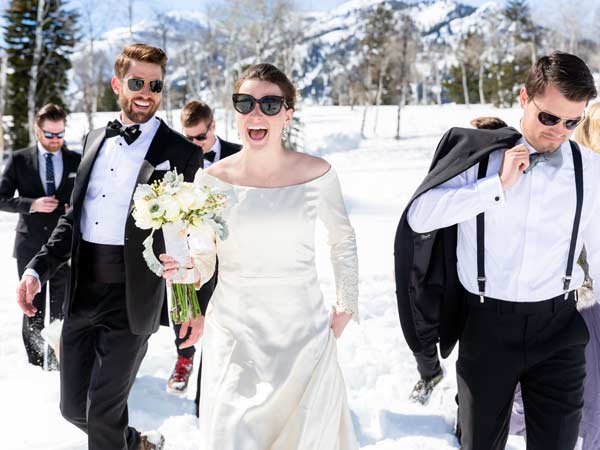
[116, 128]
[210, 156]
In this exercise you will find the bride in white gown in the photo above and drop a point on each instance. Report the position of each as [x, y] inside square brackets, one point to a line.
[270, 374]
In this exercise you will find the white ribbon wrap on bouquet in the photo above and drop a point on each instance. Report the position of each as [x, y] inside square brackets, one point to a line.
[176, 246]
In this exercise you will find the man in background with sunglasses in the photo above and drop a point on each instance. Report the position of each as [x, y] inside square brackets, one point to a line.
[113, 302]
[198, 125]
[43, 174]
[485, 254]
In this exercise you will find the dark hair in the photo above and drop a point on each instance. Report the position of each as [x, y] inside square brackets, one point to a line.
[270, 73]
[567, 72]
[488, 123]
[139, 52]
[195, 112]
[51, 112]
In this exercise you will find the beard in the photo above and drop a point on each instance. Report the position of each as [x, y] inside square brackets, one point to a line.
[127, 106]
[52, 146]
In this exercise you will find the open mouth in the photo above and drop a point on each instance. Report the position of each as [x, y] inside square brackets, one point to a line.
[257, 133]
[142, 104]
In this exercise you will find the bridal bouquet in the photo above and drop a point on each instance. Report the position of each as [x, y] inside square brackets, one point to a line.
[175, 206]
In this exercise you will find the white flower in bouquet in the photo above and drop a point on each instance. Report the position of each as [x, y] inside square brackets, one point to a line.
[143, 220]
[190, 198]
[172, 209]
[144, 192]
[177, 208]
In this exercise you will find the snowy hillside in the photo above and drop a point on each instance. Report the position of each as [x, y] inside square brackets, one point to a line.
[378, 176]
[327, 47]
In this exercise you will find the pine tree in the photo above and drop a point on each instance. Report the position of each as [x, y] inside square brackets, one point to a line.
[525, 33]
[453, 85]
[58, 28]
[380, 26]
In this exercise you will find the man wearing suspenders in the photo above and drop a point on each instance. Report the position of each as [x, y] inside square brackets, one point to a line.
[521, 214]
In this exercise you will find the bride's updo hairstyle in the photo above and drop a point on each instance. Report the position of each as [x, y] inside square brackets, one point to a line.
[270, 73]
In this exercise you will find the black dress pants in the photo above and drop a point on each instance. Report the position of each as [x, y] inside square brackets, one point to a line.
[32, 326]
[428, 363]
[100, 358]
[187, 352]
[542, 346]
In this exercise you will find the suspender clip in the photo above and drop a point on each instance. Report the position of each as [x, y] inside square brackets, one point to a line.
[481, 283]
[567, 281]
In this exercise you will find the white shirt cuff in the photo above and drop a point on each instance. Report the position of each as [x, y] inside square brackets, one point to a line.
[490, 191]
[35, 275]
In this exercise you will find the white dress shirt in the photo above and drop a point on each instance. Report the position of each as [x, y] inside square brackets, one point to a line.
[57, 162]
[215, 148]
[527, 228]
[111, 186]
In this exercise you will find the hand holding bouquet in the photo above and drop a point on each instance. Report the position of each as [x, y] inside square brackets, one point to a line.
[174, 206]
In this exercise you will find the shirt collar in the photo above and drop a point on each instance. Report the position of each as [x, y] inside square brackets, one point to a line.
[42, 151]
[216, 147]
[145, 127]
[532, 150]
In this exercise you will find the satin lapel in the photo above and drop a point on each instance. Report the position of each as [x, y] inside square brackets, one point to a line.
[155, 155]
[93, 144]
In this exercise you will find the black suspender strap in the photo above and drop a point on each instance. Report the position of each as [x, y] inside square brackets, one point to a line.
[482, 173]
[579, 190]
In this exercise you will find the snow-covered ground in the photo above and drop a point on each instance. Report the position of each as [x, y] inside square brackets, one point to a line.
[378, 175]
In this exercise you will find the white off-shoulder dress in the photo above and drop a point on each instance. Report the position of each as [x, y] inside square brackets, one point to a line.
[270, 374]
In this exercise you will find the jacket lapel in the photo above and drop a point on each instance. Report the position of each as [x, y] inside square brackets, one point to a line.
[155, 153]
[35, 163]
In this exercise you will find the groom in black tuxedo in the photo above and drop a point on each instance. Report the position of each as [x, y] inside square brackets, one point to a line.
[43, 175]
[114, 302]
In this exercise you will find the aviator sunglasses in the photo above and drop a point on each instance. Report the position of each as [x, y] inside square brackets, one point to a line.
[201, 136]
[270, 105]
[50, 135]
[137, 84]
[550, 120]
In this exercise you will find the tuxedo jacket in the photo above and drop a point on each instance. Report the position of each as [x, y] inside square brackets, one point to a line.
[22, 174]
[228, 148]
[431, 299]
[207, 289]
[145, 292]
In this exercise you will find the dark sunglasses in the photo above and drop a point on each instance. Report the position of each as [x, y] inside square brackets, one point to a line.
[269, 104]
[201, 136]
[137, 84]
[49, 135]
[550, 120]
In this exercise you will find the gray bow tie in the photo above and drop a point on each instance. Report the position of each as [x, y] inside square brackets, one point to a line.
[553, 159]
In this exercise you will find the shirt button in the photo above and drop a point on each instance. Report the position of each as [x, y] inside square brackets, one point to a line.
[112, 170]
[96, 223]
[103, 195]
[497, 198]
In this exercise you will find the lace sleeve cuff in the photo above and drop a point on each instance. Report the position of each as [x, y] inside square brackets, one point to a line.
[347, 293]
